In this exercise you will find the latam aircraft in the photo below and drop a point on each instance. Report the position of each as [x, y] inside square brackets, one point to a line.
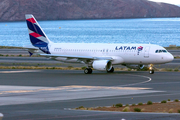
[98, 56]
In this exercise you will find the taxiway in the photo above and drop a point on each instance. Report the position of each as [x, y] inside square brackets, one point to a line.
[50, 94]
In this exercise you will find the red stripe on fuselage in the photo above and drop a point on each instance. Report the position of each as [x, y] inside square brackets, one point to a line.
[35, 35]
[31, 20]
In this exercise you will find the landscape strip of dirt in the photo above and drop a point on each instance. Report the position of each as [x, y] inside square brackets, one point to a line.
[169, 107]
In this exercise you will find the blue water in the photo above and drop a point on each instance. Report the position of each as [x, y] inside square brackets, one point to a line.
[161, 31]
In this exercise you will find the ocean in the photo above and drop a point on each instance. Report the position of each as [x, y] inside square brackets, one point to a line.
[160, 31]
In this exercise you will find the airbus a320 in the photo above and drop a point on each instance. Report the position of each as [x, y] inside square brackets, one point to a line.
[96, 55]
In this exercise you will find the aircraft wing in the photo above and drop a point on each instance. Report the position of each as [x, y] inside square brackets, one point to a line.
[78, 57]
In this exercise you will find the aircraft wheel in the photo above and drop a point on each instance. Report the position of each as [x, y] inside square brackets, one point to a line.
[111, 71]
[151, 72]
[88, 71]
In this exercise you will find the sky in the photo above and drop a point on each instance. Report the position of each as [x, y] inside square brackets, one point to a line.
[176, 2]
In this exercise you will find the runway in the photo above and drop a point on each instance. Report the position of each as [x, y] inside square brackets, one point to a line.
[50, 94]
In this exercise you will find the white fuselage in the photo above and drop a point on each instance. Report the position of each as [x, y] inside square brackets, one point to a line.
[121, 53]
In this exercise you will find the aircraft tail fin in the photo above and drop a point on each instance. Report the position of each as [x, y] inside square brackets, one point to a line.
[37, 36]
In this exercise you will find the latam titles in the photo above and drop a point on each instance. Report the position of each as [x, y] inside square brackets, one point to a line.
[125, 48]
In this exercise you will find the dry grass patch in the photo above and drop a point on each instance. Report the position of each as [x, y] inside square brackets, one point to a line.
[169, 107]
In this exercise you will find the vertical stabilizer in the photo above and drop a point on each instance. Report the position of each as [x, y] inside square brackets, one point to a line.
[37, 36]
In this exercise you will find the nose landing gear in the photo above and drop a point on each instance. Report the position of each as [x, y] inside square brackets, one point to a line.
[151, 70]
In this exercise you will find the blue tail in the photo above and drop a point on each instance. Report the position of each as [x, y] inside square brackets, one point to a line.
[37, 36]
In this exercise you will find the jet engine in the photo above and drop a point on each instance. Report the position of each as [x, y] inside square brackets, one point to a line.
[103, 65]
[135, 66]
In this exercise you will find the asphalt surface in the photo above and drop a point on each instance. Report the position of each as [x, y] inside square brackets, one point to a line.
[50, 94]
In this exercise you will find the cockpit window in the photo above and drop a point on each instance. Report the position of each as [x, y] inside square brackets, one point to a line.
[165, 51]
[161, 51]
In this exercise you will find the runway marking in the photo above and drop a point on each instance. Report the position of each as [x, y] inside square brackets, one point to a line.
[149, 80]
[67, 88]
[11, 95]
[21, 71]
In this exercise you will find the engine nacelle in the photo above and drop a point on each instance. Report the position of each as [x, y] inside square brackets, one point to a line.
[103, 65]
[135, 66]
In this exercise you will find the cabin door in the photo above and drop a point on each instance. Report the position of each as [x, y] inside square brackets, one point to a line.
[146, 52]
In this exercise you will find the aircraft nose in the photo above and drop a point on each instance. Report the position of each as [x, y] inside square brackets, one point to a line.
[170, 57]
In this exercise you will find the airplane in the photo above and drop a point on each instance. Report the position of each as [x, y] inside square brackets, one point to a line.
[99, 56]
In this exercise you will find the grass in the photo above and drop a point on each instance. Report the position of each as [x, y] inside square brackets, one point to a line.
[133, 104]
[149, 103]
[169, 107]
[176, 100]
[140, 103]
[9, 47]
[176, 70]
[118, 105]
[164, 101]
[38, 67]
[20, 55]
[169, 69]
[32, 64]
[137, 110]
[83, 67]
[81, 108]
[171, 111]
[126, 109]
[178, 111]
[127, 104]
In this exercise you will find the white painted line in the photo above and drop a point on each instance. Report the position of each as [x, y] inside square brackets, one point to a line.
[73, 88]
[1, 116]
[21, 95]
[21, 71]
[149, 80]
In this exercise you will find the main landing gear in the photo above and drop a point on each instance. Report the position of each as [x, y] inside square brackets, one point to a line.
[111, 71]
[88, 71]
